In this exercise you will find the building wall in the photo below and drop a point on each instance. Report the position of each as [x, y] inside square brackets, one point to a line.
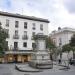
[21, 31]
[65, 37]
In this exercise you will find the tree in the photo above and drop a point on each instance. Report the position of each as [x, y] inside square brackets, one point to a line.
[3, 43]
[66, 48]
[72, 44]
[51, 46]
[72, 41]
[49, 43]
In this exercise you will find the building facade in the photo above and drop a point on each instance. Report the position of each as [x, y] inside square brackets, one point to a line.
[62, 36]
[21, 30]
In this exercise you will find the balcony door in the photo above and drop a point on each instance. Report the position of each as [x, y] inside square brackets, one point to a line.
[15, 45]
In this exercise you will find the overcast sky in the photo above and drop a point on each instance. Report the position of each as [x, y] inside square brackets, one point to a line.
[61, 13]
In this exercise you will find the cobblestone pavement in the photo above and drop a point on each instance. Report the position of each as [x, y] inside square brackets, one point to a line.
[9, 69]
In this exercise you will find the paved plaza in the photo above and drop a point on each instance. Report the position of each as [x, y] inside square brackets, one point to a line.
[9, 69]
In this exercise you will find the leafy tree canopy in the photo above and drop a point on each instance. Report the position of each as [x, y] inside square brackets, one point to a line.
[66, 48]
[72, 41]
[49, 43]
[3, 43]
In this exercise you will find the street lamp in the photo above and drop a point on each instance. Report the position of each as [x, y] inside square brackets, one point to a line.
[60, 47]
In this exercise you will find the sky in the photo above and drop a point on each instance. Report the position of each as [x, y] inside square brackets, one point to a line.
[60, 13]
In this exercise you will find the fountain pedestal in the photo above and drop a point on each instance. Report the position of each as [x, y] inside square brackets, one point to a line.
[40, 57]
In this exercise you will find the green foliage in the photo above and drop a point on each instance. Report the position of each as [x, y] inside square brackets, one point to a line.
[49, 43]
[34, 37]
[73, 49]
[66, 48]
[3, 43]
[52, 48]
[72, 41]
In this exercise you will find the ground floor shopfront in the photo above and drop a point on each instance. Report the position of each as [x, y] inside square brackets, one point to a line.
[16, 57]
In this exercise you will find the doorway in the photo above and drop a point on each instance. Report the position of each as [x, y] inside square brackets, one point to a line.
[15, 58]
[25, 58]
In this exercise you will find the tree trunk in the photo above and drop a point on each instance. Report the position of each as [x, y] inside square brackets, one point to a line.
[73, 55]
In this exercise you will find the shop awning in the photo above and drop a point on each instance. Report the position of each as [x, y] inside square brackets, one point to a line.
[23, 52]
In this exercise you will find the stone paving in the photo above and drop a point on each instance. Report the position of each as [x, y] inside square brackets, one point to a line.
[9, 69]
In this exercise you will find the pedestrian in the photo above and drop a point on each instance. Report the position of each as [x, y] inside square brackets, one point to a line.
[59, 61]
[70, 61]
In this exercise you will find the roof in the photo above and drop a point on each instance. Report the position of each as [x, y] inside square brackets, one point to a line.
[62, 30]
[24, 17]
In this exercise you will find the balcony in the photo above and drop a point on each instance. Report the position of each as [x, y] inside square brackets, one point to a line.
[15, 49]
[15, 36]
[25, 37]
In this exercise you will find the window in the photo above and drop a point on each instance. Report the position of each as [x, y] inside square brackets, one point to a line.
[41, 27]
[16, 36]
[7, 22]
[60, 41]
[33, 26]
[54, 41]
[16, 24]
[25, 25]
[0, 23]
[25, 32]
[33, 33]
[25, 37]
[15, 44]
[42, 57]
[33, 45]
[16, 32]
[25, 44]
[7, 31]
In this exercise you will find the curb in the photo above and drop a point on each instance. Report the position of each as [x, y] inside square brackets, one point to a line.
[19, 69]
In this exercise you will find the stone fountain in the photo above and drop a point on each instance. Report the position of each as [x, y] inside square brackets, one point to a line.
[40, 57]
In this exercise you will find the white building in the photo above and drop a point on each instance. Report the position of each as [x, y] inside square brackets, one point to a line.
[21, 28]
[62, 36]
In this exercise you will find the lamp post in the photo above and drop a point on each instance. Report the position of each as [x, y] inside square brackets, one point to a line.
[60, 47]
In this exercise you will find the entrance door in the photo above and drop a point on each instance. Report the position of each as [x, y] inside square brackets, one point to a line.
[15, 58]
[25, 58]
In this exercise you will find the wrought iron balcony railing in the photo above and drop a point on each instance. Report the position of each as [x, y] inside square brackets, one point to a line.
[15, 36]
[25, 37]
[15, 48]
